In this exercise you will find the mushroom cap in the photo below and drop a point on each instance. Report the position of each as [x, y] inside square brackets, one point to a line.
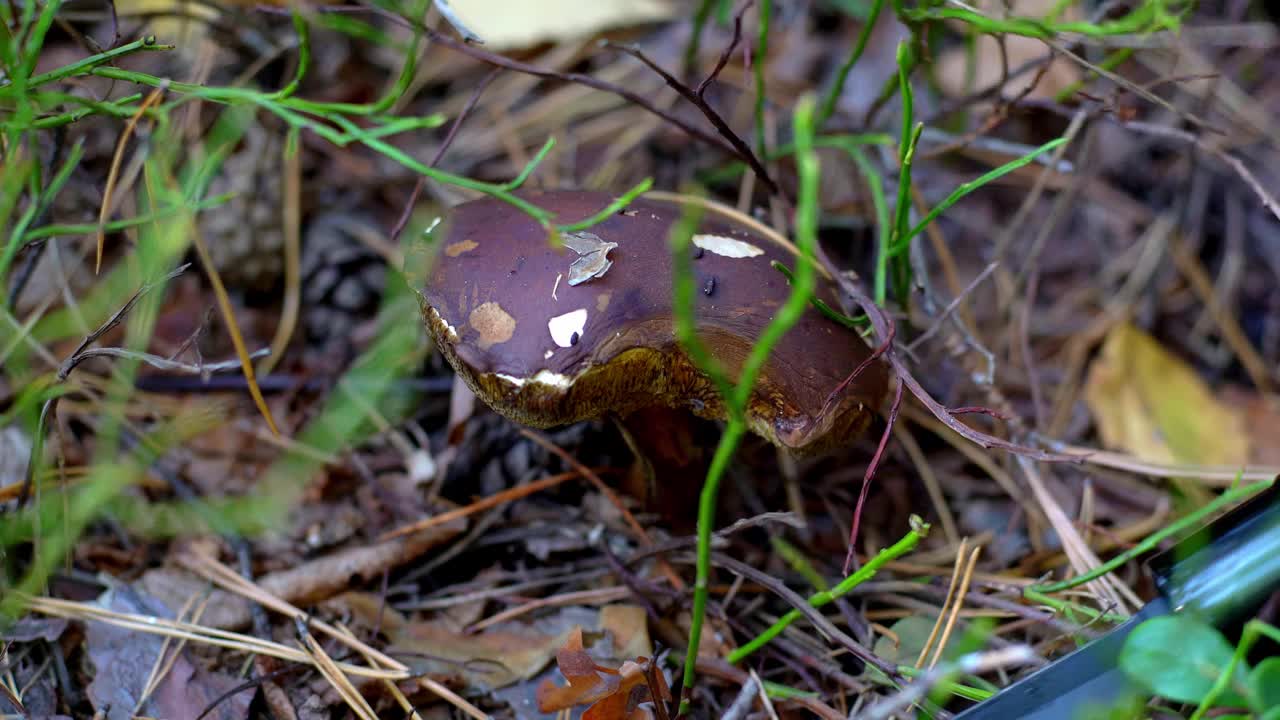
[544, 352]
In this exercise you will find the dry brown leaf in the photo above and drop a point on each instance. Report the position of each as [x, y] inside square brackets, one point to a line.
[629, 626]
[612, 694]
[1152, 404]
[1262, 418]
[367, 611]
[587, 683]
[485, 661]
[506, 24]
[123, 661]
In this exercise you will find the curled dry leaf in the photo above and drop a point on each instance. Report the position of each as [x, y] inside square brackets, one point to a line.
[619, 694]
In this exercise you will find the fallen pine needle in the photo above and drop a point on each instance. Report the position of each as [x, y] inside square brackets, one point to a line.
[946, 602]
[494, 500]
[210, 569]
[331, 672]
[114, 173]
[237, 339]
[153, 625]
[599, 595]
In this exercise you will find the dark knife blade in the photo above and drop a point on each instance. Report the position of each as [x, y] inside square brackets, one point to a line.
[1067, 688]
[1220, 573]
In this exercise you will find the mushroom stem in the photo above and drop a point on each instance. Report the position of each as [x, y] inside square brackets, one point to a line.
[671, 460]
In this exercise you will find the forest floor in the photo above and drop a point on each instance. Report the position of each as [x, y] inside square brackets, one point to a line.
[238, 481]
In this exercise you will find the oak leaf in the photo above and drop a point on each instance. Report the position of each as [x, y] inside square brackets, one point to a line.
[625, 693]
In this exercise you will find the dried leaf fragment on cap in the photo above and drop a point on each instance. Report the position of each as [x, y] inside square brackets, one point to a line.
[593, 260]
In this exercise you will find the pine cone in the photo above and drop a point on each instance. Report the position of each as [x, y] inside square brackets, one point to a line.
[244, 236]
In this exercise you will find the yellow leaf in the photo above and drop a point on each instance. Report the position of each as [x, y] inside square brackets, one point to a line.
[1152, 404]
[174, 22]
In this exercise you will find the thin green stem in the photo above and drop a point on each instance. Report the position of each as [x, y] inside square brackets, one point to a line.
[530, 166]
[1150, 16]
[35, 37]
[948, 685]
[799, 563]
[611, 209]
[733, 433]
[906, 151]
[291, 111]
[40, 201]
[737, 397]
[902, 217]
[884, 230]
[1253, 631]
[965, 188]
[1066, 608]
[1110, 62]
[805, 279]
[304, 55]
[684, 293]
[49, 231]
[122, 108]
[758, 69]
[700, 17]
[1151, 541]
[820, 306]
[833, 95]
[85, 65]
[825, 597]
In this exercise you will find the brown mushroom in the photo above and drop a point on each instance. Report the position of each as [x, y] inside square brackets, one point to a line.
[549, 336]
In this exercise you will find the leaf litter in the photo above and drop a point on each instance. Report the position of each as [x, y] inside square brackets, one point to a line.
[510, 585]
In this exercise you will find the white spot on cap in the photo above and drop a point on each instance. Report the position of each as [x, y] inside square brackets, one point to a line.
[564, 327]
[726, 246]
[542, 377]
[547, 355]
[555, 380]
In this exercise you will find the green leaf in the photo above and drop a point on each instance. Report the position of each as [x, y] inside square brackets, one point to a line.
[911, 633]
[1129, 707]
[1176, 658]
[1264, 687]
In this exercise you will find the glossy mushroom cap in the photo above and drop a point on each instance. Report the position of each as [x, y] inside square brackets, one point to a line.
[549, 337]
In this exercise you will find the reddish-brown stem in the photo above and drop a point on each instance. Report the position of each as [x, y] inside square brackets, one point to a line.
[871, 471]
